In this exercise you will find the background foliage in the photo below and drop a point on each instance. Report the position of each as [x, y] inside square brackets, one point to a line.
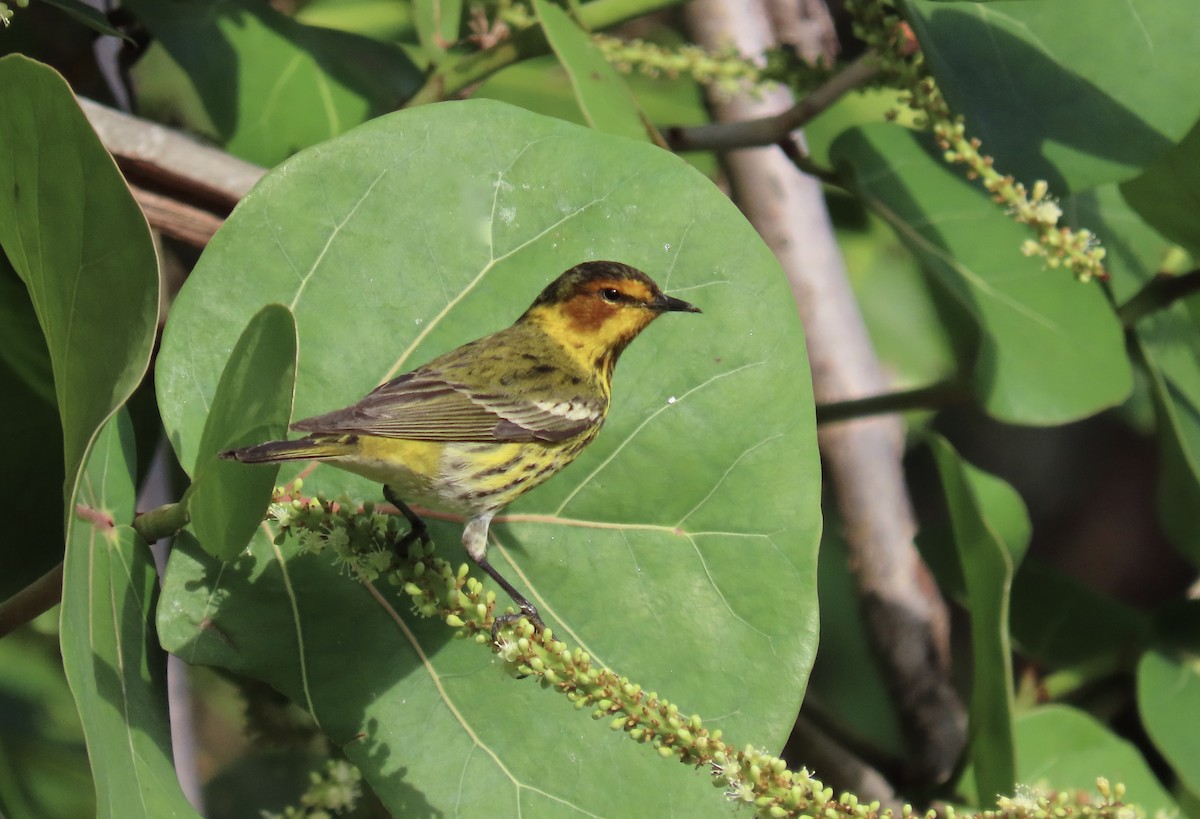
[1057, 503]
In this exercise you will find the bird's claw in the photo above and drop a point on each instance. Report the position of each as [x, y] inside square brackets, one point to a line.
[527, 612]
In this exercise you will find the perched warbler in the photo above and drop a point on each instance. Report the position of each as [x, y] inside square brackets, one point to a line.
[475, 428]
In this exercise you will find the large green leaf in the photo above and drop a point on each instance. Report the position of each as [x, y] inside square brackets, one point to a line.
[603, 96]
[253, 403]
[1060, 748]
[111, 655]
[1165, 194]
[1051, 350]
[1049, 103]
[682, 542]
[1168, 692]
[986, 562]
[74, 234]
[260, 83]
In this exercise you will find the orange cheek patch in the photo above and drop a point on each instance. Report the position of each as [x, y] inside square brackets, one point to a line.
[586, 314]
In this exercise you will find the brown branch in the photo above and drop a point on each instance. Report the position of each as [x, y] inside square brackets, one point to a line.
[906, 616]
[37, 598]
[185, 188]
[1159, 293]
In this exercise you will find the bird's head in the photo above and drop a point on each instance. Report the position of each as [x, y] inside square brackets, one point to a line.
[596, 308]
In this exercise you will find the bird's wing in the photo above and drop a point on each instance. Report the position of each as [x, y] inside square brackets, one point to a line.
[427, 405]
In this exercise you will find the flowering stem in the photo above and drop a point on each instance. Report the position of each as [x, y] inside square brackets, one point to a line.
[363, 540]
[904, 65]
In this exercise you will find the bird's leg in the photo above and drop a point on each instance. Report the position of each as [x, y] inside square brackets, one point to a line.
[416, 527]
[475, 537]
[528, 610]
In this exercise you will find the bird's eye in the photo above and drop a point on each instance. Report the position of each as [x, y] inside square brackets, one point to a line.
[610, 294]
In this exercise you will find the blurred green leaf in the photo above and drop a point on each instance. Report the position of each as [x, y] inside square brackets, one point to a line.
[74, 234]
[601, 92]
[987, 566]
[381, 19]
[253, 403]
[1060, 748]
[423, 230]
[44, 771]
[1165, 193]
[1168, 694]
[1059, 622]
[111, 655]
[1047, 101]
[541, 85]
[1051, 349]
[260, 83]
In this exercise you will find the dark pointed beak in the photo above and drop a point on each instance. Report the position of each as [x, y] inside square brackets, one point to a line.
[670, 304]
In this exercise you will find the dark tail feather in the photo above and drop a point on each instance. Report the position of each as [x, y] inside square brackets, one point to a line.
[305, 449]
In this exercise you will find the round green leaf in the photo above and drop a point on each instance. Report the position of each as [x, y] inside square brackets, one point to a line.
[1051, 350]
[1168, 688]
[1075, 92]
[681, 544]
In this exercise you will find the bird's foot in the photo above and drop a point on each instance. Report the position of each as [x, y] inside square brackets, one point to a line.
[528, 612]
[417, 530]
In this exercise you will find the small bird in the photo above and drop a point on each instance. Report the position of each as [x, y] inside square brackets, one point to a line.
[474, 429]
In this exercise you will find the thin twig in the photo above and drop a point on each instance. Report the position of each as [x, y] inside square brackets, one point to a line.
[933, 396]
[1161, 292]
[769, 130]
[35, 599]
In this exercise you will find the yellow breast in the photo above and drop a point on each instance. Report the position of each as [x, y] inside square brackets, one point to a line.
[460, 478]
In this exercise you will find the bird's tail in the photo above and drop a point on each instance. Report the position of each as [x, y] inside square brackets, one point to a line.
[305, 449]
